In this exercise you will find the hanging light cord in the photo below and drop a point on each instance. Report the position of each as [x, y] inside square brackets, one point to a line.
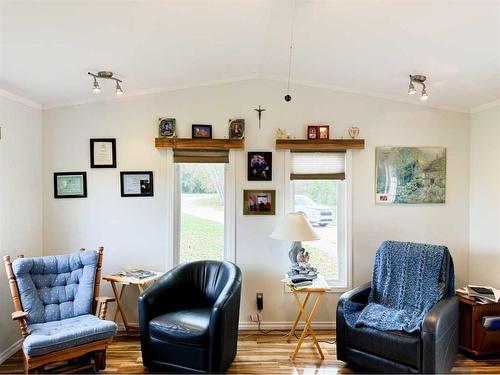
[291, 46]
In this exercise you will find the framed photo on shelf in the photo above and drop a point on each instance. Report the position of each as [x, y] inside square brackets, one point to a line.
[260, 166]
[312, 132]
[323, 132]
[201, 131]
[102, 153]
[237, 128]
[259, 202]
[166, 127]
[70, 185]
[136, 184]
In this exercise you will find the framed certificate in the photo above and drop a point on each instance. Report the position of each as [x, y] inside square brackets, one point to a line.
[136, 184]
[70, 185]
[103, 153]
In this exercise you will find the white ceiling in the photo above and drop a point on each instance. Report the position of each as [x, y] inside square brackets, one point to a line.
[47, 47]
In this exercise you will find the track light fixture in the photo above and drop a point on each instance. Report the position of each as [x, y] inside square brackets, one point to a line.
[105, 75]
[420, 79]
[95, 86]
[118, 90]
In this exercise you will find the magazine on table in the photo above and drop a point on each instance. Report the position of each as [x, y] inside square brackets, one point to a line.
[137, 274]
[482, 293]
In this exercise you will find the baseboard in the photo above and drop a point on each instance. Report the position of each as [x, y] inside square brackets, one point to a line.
[248, 326]
[10, 351]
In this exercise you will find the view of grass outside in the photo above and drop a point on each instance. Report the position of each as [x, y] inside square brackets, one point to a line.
[202, 216]
[202, 212]
[317, 199]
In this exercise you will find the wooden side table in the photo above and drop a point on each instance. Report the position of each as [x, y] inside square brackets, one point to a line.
[317, 289]
[474, 339]
[141, 284]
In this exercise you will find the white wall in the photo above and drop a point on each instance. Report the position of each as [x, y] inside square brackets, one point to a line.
[134, 230]
[485, 198]
[20, 198]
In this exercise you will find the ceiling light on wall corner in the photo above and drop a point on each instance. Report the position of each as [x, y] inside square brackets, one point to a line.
[420, 79]
[105, 75]
[118, 90]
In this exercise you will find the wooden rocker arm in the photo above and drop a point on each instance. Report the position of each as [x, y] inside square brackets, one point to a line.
[19, 315]
[103, 305]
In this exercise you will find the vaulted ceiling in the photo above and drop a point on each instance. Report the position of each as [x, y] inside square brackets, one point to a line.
[47, 47]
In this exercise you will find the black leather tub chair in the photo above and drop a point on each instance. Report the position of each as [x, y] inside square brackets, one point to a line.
[189, 318]
[432, 350]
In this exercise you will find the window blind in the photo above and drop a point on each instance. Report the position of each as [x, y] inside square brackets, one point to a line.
[317, 166]
[190, 156]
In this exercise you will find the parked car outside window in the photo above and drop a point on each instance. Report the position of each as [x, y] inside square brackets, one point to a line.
[318, 215]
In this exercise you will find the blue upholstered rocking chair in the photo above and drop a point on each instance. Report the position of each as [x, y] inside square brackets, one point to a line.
[55, 299]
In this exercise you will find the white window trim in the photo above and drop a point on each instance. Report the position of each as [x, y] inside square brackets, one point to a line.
[289, 207]
[174, 200]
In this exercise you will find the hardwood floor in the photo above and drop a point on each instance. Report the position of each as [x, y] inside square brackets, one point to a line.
[257, 354]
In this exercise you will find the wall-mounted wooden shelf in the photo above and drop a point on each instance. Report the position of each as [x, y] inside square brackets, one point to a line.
[324, 145]
[199, 144]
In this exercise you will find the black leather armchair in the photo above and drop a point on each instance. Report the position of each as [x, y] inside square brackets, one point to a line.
[433, 350]
[189, 318]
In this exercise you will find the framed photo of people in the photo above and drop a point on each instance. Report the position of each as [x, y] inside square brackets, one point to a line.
[260, 166]
[259, 202]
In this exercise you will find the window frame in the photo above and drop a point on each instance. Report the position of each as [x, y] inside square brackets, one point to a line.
[345, 284]
[174, 215]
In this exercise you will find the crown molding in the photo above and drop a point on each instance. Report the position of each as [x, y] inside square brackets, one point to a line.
[486, 106]
[19, 99]
[366, 93]
[155, 90]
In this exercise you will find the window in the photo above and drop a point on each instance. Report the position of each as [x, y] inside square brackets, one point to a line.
[319, 188]
[201, 211]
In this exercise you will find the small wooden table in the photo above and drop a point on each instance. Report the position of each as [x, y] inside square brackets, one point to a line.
[141, 284]
[318, 288]
[474, 339]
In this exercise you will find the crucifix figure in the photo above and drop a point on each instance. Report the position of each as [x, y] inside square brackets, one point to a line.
[260, 110]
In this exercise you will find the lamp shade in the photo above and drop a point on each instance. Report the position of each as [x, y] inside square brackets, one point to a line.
[295, 227]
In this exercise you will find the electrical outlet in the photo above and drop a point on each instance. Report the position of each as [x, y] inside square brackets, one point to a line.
[260, 301]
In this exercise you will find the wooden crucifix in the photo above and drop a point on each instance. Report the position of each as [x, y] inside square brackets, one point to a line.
[259, 110]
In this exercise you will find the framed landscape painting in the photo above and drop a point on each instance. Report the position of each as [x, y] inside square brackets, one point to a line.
[410, 175]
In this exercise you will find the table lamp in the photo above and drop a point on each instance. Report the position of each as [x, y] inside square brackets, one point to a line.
[296, 228]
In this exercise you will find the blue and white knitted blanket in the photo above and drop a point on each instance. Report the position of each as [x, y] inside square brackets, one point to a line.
[408, 279]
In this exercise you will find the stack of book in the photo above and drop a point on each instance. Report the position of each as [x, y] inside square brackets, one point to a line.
[481, 294]
[298, 281]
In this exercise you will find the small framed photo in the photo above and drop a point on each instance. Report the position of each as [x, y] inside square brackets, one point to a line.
[166, 127]
[259, 202]
[136, 184]
[201, 131]
[323, 132]
[237, 128]
[312, 132]
[70, 185]
[103, 153]
[260, 166]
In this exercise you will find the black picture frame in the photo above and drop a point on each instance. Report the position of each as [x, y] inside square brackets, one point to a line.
[195, 134]
[113, 152]
[260, 166]
[59, 195]
[144, 192]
